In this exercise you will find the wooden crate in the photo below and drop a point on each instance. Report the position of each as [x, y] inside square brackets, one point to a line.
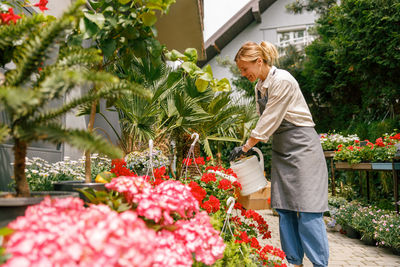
[257, 200]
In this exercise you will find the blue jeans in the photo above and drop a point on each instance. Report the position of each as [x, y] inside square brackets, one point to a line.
[303, 232]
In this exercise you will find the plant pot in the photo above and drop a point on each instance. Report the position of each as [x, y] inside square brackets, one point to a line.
[351, 232]
[395, 251]
[72, 186]
[12, 207]
[368, 240]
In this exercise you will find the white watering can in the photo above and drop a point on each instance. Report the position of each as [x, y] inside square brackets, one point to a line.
[250, 173]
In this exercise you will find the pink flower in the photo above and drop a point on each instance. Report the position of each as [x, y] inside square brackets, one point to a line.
[62, 232]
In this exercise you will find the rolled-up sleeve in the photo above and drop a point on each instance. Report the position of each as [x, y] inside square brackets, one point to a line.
[279, 99]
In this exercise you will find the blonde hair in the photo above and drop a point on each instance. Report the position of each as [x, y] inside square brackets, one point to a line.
[250, 51]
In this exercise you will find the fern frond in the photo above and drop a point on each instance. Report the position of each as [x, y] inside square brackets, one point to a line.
[29, 55]
[76, 56]
[4, 130]
[81, 139]
[115, 90]
[8, 35]
[18, 101]
[60, 82]
[71, 57]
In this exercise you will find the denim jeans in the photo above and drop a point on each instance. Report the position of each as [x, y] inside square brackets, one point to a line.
[303, 232]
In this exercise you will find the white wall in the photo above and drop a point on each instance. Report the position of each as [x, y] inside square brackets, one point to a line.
[273, 18]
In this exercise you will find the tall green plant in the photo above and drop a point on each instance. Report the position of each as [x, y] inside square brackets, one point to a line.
[119, 27]
[352, 67]
[27, 89]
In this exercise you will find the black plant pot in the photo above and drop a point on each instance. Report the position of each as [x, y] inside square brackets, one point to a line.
[12, 207]
[396, 251]
[73, 186]
[368, 240]
[351, 232]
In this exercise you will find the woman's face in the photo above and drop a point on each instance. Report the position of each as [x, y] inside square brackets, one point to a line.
[250, 70]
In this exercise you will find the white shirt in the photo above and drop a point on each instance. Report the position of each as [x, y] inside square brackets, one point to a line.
[285, 101]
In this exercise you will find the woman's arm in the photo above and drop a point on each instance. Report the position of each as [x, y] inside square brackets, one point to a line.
[250, 143]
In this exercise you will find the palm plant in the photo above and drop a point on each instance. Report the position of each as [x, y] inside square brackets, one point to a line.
[27, 89]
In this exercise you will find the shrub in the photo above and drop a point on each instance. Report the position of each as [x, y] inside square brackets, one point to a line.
[139, 162]
[387, 230]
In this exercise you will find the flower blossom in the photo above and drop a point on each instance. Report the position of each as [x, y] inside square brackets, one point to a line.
[10, 16]
[42, 5]
[62, 232]
[225, 184]
[211, 205]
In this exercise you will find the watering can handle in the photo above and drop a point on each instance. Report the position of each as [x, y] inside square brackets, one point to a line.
[261, 161]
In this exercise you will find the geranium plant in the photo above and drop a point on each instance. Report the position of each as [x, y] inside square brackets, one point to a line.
[330, 141]
[382, 150]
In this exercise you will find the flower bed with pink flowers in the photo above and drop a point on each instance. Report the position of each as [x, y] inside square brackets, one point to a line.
[144, 221]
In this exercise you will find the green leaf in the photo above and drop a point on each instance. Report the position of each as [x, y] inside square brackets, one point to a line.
[149, 18]
[108, 47]
[88, 28]
[191, 54]
[124, 2]
[208, 70]
[175, 55]
[201, 85]
[190, 67]
[222, 85]
[6, 231]
[96, 18]
[4, 131]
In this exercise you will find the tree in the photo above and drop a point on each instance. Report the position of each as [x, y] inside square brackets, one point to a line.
[351, 69]
[119, 27]
[29, 87]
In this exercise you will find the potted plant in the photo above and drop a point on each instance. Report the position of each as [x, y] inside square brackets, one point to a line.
[36, 81]
[344, 217]
[387, 232]
[365, 220]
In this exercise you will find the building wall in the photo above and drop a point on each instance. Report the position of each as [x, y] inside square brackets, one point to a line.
[274, 19]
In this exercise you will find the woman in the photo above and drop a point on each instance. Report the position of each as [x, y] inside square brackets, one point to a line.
[299, 178]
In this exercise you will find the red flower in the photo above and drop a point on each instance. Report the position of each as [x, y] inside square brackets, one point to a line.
[197, 191]
[237, 185]
[356, 141]
[208, 177]
[396, 136]
[351, 148]
[119, 168]
[10, 16]
[42, 5]
[379, 142]
[211, 205]
[208, 158]
[225, 184]
[159, 173]
[187, 161]
[254, 243]
[200, 161]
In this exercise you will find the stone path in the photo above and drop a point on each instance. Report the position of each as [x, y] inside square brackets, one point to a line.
[343, 250]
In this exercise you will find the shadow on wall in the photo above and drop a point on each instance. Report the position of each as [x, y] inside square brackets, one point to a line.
[5, 169]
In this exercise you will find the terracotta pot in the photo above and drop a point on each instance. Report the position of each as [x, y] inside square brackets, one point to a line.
[12, 207]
